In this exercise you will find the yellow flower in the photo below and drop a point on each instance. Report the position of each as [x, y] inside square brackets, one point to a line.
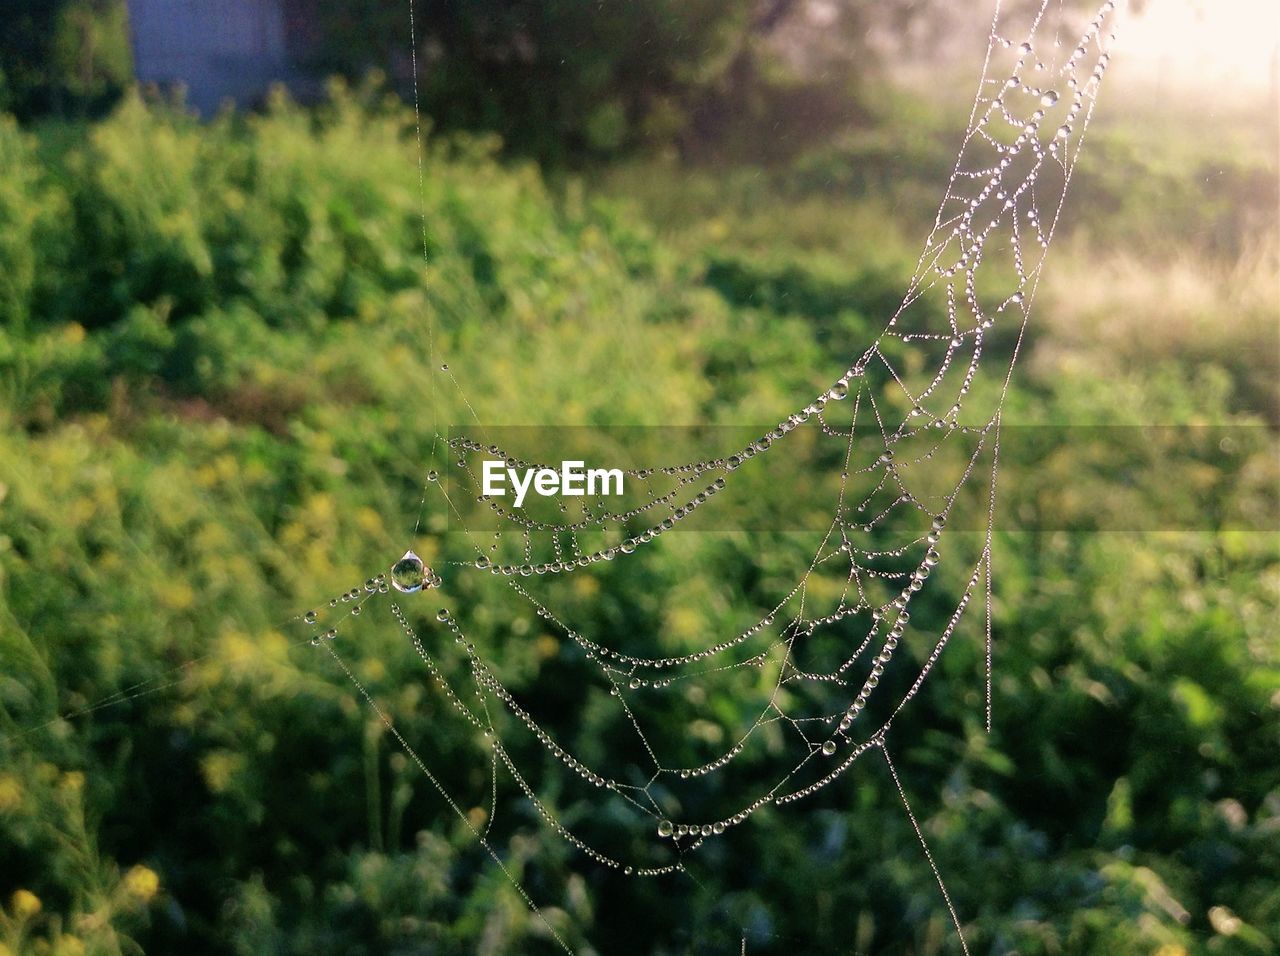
[10, 794]
[73, 780]
[177, 595]
[68, 946]
[219, 768]
[141, 883]
[547, 646]
[369, 521]
[24, 904]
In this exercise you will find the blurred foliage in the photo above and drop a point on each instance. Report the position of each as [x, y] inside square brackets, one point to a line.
[562, 80]
[67, 57]
[218, 345]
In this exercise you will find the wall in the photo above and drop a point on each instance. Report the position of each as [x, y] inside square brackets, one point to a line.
[217, 49]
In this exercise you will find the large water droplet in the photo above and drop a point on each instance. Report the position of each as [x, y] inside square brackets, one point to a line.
[665, 828]
[1049, 97]
[409, 573]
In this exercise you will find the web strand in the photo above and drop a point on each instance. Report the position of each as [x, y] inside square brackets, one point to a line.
[924, 845]
[479, 837]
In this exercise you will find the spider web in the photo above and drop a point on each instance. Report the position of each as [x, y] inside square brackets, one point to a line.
[912, 423]
[821, 672]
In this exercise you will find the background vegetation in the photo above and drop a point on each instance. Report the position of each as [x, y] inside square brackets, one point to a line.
[214, 373]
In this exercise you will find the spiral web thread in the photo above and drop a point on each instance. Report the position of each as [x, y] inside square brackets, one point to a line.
[920, 395]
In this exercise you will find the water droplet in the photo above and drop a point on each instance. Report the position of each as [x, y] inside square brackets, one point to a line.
[838, 391]
[433, 476]
[1049, 97]
[666, 828]
[829, 748]
[309, 617]
[409, 573]
[444, 366]
[482, 563]
[442, 615]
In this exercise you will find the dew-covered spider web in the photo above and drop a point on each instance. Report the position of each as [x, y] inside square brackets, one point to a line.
[908, 432]
[907, 443]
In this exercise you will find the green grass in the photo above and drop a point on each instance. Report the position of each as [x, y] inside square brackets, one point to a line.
[217, 410]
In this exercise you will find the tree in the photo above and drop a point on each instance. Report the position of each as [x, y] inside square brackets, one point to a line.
[60, 56]
[562, 79]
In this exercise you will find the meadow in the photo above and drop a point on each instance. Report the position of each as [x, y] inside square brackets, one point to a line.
[217, 344]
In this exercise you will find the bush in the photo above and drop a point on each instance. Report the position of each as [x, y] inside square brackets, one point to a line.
[218, 354]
